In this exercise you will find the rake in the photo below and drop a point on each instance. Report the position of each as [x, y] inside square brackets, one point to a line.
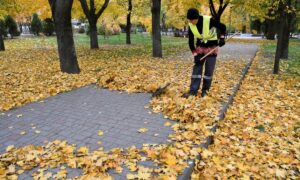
[162, 89]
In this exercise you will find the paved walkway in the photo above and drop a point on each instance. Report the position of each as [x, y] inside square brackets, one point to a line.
[231, 51]
[77, 116]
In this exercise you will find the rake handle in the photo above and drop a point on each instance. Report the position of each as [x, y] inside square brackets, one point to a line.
[216, 47]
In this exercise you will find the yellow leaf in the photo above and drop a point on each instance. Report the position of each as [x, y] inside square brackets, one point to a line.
[206, 153]
[142, 130]
[119, 170]
[130, 176]
[11, 169]
[9, 148]
[62, 174]
[100, 133]
[167, 124]
[281, 173]
[83, 150]
[21, 171]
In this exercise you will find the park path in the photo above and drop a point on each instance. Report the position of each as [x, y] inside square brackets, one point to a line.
[77, 117]
[231, 51]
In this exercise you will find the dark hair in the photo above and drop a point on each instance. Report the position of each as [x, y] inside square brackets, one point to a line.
[193, 14]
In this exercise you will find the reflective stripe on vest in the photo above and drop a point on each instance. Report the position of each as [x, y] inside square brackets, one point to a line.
[207, 34]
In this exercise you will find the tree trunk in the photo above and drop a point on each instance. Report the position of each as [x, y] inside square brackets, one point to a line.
[65, 41]
[2, 47]
[286, 33]
[282, 24]
[284, 53]
[94, 35]
[156, 29]
[128, 26]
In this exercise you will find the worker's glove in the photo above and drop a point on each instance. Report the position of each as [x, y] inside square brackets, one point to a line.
[222, 42]
[194, 53]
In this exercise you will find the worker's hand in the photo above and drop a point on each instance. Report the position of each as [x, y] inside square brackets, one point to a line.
[222, 42]
[194, 52]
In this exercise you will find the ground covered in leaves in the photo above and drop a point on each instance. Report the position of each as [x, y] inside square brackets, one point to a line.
[260, 136]
[29, 74]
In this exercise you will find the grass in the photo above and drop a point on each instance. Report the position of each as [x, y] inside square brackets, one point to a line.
[142, 43]
[291, 66]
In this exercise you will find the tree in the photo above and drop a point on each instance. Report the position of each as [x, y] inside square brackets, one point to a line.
[285, 11]
[129, 5]
[61, 13]
[180, 8]
[156, 29]
[222, 6]
[36, 24]
[289, 18]
[128, 25]
[2, 33]
[11, 26]
[4, 6]
[282, 25]
[23, 9]
[48, 27]
[93, 16]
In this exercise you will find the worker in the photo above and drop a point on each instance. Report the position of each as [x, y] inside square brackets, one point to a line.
[204, 29]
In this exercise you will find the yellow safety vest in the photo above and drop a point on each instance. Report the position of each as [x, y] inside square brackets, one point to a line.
[207, 34]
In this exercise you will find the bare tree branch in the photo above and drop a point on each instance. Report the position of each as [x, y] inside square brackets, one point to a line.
[104, 6]
[92, 7]
[222, 9]
[52, 6]
[212, 8]
[85, 8]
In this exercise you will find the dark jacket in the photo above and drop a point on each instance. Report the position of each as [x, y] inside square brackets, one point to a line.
[213, 23]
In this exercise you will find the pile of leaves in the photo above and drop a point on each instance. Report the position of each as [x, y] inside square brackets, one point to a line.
[168, 161]
[260, 136]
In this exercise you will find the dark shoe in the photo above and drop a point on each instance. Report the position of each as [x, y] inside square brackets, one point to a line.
[203, 94]
[187, 95]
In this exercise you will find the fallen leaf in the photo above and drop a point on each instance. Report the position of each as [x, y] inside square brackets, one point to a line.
[142, 130]
[9, 148]
[168, 124]
[100, 133]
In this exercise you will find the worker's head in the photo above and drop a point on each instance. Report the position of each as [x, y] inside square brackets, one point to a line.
[193, 15]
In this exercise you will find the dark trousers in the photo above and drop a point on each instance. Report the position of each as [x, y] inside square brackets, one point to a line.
[210, 63]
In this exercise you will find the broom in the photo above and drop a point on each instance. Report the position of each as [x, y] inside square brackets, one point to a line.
[162, 89]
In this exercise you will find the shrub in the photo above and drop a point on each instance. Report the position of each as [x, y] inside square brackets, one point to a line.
[3, 29]
[48, 27]
[36, 24]
[81, 30]
[11, 25]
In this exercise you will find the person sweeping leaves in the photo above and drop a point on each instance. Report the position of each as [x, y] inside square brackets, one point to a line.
[204, 28]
